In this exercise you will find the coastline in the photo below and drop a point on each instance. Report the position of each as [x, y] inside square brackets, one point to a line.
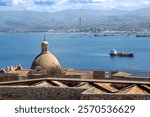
[95, 34]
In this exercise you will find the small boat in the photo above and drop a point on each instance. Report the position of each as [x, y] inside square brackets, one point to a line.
[121, 54]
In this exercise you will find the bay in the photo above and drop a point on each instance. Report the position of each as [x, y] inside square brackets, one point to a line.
[77, 51]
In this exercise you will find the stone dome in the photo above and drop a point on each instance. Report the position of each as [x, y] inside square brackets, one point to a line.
[46, 61]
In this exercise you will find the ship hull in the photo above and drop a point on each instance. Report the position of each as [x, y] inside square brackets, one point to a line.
[122, 54]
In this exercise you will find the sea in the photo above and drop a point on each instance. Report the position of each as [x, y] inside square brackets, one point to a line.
[77, 51]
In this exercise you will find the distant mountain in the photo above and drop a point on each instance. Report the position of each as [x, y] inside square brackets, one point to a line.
[20, 21]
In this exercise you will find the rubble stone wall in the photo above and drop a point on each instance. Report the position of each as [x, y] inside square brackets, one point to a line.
[56, 93]
[115, 96]
[8, 77]
[39, 93]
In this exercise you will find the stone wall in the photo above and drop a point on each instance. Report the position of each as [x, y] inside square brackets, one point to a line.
[39, 93]
[98, 74]
[133, 78]
[11, 77]
[115, 96]
[8, 77]
[56, 93]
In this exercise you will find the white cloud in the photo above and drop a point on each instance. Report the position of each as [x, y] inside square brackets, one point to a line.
[53, 5]
[146, 2]
[100, 1]
[21, 2]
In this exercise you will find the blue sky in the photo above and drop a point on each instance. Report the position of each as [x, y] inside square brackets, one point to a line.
[57, 5]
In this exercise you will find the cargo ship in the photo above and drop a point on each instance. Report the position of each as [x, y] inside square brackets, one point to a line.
[121, 54]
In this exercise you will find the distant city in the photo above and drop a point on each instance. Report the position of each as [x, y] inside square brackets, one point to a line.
[109, 22]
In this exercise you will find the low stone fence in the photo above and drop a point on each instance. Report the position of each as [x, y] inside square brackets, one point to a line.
[39, 93]
[115, 96]
[11, 77]
[56, 93]
[8, 77]
[131, 78]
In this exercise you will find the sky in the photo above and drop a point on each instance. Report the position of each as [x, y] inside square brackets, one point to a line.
[58, 5]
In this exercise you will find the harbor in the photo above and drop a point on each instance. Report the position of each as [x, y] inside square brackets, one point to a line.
[21, 48]
[46, 72]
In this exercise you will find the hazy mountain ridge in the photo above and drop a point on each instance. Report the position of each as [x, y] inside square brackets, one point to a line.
[13, 21]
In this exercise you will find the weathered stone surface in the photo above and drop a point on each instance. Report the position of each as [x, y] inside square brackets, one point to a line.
[115, 96]
[39, 93]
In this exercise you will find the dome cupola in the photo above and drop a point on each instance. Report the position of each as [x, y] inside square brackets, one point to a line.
[46, 61]
[44, 46]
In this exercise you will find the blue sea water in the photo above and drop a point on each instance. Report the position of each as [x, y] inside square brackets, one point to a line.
[76, 51]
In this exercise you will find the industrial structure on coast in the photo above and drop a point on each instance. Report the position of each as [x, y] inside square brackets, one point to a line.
[47, 79]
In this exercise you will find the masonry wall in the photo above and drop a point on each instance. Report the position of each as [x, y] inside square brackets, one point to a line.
[11, 77]
[133, 78]
[115, 96]
[8, 77]
[39, 93]
[56, 93]
[124, 78]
